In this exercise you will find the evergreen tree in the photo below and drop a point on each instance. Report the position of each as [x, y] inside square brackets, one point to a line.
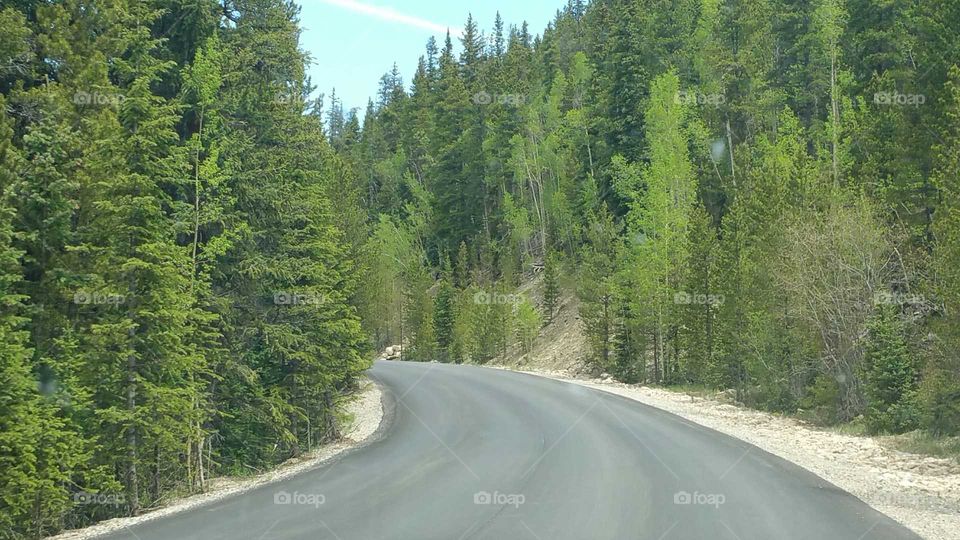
[596, 288]
[461, 269]
[891, 376]
[629, 361]
[941, 390]
[443, 319]
[37, 448]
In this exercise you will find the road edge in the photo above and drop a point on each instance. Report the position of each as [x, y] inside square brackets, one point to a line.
[323, 456]
[914, 523]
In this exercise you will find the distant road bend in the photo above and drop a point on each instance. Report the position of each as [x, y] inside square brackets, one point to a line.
[481, 453]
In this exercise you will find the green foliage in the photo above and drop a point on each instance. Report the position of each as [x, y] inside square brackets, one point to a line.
[723, 182]
[629, 345]
[596, 286]
[461, 270]
[528, 323]
[726, 183]
[891, 379]
[444, 316]
[487, 318]
[178, 298]
[661, 201]
[699, 319]
[941, 384]
[551, 285]
[821, 402]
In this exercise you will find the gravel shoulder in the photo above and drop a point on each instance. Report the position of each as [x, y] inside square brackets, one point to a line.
[920, 492]
[364, 413]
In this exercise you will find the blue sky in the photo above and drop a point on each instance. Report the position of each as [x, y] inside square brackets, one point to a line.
[354, 42]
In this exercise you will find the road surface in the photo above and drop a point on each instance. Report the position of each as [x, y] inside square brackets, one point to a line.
[470, 452]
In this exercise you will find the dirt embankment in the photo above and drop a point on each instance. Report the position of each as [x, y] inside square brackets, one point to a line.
[561, 345]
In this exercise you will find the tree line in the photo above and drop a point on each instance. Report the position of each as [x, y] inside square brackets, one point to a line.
[755, 196]
[179, 294]
[196, 256]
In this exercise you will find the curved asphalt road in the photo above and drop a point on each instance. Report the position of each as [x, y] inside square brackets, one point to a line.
[559, 461]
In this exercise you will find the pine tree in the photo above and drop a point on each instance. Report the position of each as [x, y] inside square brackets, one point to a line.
[629, 361]
[891, 376]
[149, 377]
[20, 426]
[335, 120]
[941, 390]
[498, 43]
[699, 319]
[551, 285]
[458, 207]
[472, 53]
[37, 448]
[461, 268]
[443, 319]
[596, 288]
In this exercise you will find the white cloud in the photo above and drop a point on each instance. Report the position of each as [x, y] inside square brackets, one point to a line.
[390, 14]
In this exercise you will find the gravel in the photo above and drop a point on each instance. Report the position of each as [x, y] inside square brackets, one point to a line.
[920, 492]
[364, 412]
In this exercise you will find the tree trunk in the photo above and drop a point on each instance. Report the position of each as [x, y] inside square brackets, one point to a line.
[332, 433]
[133, 488]
[202, 478]
[733, 174]
[835, 113]
[196, 204]
[656, 356]
[294, 417]
[155, 481]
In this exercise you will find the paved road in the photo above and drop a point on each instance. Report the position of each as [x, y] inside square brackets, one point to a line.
[482, 453]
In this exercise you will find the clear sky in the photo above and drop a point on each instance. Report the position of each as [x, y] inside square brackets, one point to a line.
[354, 42]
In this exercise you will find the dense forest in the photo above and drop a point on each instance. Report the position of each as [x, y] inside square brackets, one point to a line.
[177, 283]
[199, 252]
[756, 196]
